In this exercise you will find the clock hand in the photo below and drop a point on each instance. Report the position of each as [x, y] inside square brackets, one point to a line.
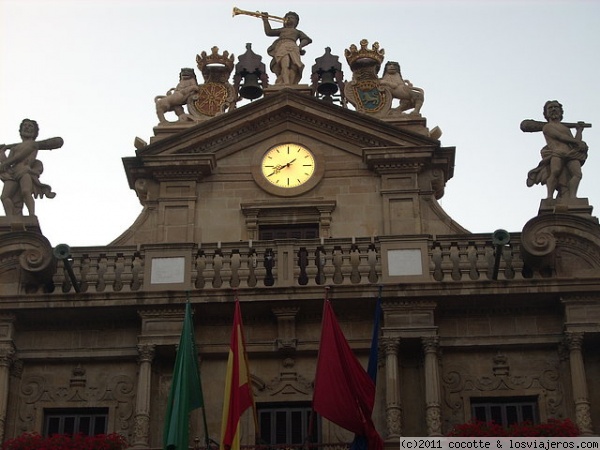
[277, 169]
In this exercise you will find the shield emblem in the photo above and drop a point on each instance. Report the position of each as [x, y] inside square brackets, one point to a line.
[210, 99]
[369, 95]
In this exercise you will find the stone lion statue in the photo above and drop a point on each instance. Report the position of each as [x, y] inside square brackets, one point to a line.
[410, 97]
[178, 96]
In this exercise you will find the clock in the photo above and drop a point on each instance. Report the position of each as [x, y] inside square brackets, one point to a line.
[288, 165]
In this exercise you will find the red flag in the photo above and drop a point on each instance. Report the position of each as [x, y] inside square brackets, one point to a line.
[238, 392]
[344, 392]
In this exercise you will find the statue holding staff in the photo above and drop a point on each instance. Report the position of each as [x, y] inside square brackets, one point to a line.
[20, 170]
[563, 155]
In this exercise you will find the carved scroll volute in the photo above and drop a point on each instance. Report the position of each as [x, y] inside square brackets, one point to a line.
[31, 254]
[541, 244]
[538, 244]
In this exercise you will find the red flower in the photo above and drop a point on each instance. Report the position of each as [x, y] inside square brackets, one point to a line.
[553, 428]
[33, 441]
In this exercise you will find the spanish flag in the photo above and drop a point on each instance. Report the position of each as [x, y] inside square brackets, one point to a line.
[238, 392]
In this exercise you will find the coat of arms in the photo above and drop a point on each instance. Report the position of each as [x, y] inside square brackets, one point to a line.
[373, 95]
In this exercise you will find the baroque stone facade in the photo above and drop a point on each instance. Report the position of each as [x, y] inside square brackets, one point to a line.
[468, 323]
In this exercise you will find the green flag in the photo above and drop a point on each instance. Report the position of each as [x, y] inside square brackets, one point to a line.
[186, 389]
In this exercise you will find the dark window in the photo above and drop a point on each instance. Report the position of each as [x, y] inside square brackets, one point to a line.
[287, 423]
[505, 411]
[87, 421]
[304, 231]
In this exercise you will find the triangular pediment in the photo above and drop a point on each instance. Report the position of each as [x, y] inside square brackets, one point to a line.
[287, 110]
[286, 114]
[217, 166]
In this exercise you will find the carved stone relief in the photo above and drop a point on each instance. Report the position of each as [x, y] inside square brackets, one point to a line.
[460, 382]
[84, 387]
[288, 384]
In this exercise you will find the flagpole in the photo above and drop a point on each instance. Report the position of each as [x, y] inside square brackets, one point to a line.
[254, 413]
[206, 436]
[311, 419]
[205, 423]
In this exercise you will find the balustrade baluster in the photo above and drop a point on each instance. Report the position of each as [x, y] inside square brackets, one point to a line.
[454, 258]
[354, 263]
[472, 260]
[200, 268]
[118, 267]
[109, 274]
[338, 277]
[269, 264]
[436, 258]
[302, 264]
[217, 263]
[84, 273]
[137, 271]
[101, 282]
[252, 268]
[225, 267]
[490, 260]
[234, 267]
[311, 268]
[374, 264]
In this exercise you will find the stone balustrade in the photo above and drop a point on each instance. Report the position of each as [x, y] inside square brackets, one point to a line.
[315, 262]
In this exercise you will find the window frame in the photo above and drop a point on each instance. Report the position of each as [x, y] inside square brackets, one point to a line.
[288, 231]
[77, 414]
[503, 403]
[273, 409]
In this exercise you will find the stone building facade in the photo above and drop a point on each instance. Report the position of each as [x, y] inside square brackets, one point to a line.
[489, 326]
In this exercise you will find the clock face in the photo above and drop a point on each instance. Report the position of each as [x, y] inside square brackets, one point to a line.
[288, 165]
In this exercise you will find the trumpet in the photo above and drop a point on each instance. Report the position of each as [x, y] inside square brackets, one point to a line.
[237, 11]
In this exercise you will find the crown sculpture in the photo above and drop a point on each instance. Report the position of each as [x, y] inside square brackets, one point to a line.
[365, 58]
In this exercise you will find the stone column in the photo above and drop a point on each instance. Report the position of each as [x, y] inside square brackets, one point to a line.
[580, 391]
[432, 386]
[7, 353]
[142, 403]
[393, 408]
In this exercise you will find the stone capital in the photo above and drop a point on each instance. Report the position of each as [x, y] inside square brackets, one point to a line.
[390, 345]
[574, 340]
[146, 352]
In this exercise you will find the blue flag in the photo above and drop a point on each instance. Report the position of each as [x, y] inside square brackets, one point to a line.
[360, 442]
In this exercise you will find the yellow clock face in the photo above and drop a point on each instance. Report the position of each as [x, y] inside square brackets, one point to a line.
[288, 165]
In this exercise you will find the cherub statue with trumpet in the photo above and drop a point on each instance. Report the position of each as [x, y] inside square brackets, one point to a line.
[285, 51]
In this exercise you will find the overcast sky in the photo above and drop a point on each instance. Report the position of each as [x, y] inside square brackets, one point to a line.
[88, 71]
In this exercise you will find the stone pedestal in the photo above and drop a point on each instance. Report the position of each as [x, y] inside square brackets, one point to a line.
[300, 88]
[575, 206]
[21, 223]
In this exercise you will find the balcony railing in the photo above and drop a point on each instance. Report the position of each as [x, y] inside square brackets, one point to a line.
[352, 261]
